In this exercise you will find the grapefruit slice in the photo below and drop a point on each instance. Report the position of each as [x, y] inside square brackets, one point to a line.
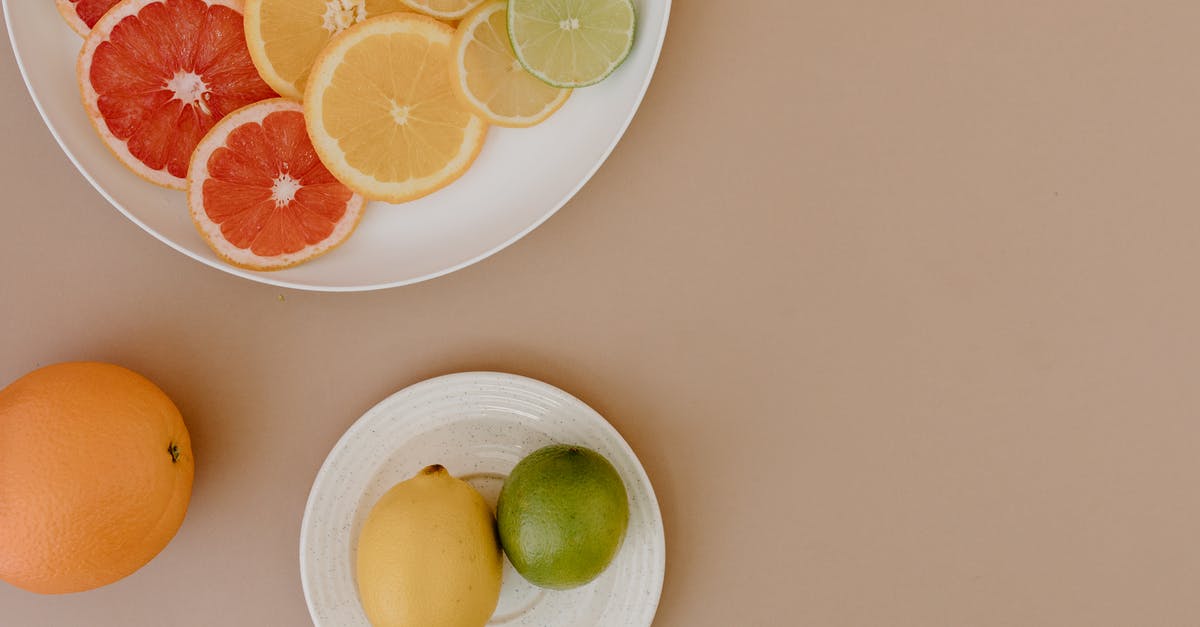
[259, 195]
[82, 15]
[155, 75]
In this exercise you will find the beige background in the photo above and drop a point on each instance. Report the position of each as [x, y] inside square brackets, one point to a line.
[897, 301]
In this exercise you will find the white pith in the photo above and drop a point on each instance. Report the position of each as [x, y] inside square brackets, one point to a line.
[189, 88]
[342, 14]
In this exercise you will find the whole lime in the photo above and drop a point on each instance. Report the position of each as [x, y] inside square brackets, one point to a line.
[562, 515]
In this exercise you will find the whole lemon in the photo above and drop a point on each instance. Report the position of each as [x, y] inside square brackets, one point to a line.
[427, 555]
[562, 516]
[95, 476]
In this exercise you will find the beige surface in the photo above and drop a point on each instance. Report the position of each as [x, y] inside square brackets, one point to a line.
[896, 300]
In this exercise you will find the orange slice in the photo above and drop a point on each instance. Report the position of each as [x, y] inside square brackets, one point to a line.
[381, 112]
[260, 197]
[82, 15]
[155, 75]
[486, 75]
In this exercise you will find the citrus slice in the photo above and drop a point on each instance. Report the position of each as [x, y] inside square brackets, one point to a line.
[571, 43]
[155, 75]
[486, 75]
[82, 15]
[443, 9]
[259, 195]
[381, 112]
[285, 36]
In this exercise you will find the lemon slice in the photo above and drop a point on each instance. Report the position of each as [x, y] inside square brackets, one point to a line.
[443, 9]
[285, 36]
[488, 77]
[382, 114]
[571, 43]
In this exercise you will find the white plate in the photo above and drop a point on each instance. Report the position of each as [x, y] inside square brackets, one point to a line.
[520, 179]
[478, 425]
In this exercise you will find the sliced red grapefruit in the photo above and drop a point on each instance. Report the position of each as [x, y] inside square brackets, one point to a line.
[155, 76]
[260, 196]
[82, 15]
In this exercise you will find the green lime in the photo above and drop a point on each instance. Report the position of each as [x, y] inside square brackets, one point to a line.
[571, 43]
[562, 515]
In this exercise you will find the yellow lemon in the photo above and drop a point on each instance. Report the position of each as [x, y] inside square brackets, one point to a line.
[488, 77]
[381, 113]
[428, 556]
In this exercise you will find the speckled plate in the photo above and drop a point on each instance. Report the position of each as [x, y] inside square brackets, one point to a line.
[478, 425]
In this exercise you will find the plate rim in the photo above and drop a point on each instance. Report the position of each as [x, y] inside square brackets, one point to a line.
[257, 277]
[501, 378]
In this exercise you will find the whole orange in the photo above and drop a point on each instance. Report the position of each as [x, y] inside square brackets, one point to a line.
[95, 476]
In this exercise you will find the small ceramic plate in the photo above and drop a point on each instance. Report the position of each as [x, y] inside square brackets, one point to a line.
[520, 179]
[478, 425]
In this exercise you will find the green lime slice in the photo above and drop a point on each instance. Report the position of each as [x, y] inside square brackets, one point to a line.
[571, 43]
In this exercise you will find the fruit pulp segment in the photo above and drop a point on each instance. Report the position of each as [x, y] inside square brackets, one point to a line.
[381, 7]
[90, 11]
[269, 192]
[138, 71]
[378, 111]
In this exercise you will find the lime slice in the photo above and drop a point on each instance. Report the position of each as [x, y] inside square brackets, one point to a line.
[571, 43]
